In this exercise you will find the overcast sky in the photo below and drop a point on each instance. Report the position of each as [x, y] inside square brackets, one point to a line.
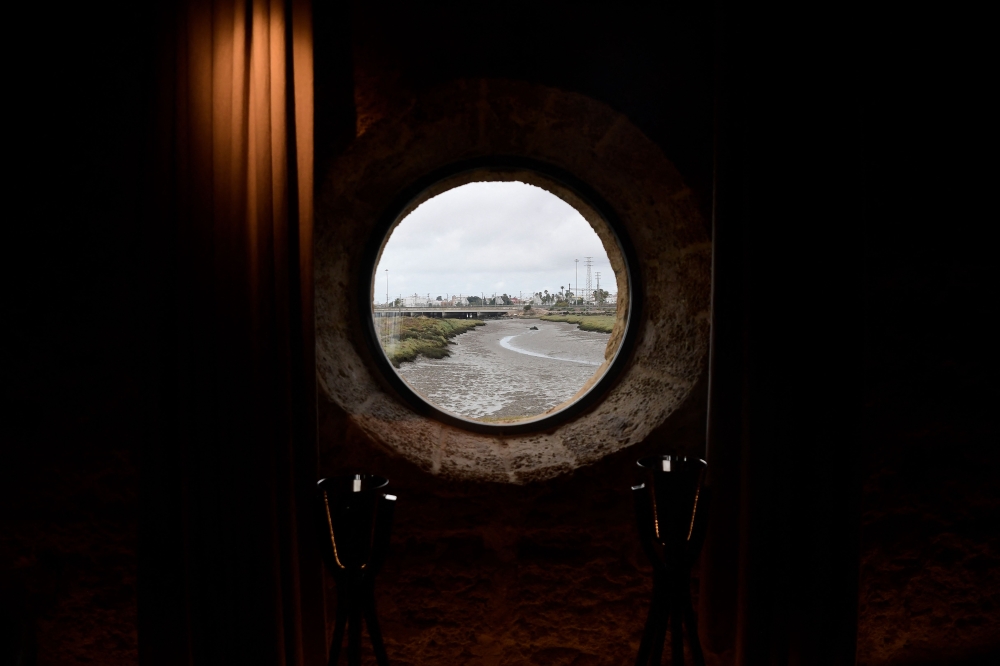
[502, 237]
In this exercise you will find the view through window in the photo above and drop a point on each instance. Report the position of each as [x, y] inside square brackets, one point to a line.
[495, 301]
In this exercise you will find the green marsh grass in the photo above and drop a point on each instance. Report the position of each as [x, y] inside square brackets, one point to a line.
[594, 323]
[425, 336]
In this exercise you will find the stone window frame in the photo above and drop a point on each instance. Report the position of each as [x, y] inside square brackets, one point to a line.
[486, 118]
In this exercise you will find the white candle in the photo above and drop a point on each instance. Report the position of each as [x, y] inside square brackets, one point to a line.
[357, 484]
[666, 465]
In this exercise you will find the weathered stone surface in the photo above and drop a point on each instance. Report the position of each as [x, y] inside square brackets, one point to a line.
[477, 118]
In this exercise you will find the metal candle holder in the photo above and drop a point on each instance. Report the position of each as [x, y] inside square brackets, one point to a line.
[670, 512]
[357, 519]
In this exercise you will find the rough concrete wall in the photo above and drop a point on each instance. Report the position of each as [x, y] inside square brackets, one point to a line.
[469, 119]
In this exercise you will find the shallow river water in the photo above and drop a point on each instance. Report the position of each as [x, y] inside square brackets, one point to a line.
[504, 370]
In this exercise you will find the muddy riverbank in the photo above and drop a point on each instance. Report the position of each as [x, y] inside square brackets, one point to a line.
[506, 370]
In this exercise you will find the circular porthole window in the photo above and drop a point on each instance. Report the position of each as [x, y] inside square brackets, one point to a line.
[592, 159]
[499, 299]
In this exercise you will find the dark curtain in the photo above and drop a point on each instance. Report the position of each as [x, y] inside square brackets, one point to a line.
[779, 570]
[227, 572]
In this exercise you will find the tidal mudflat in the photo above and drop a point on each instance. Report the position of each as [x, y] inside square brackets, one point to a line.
[506, 370]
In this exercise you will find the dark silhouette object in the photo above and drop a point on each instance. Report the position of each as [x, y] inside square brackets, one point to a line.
[357, 519]
[670, 509]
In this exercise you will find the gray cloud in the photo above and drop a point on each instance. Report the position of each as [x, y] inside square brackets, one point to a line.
[503, 237]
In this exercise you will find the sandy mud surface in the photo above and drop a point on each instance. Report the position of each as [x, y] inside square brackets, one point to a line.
[504, 369]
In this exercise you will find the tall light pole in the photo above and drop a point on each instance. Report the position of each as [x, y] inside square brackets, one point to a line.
[387, 287]
[576, 268]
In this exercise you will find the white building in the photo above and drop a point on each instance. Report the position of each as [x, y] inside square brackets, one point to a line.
[415, 301]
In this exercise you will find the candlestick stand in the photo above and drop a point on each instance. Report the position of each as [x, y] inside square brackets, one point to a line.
[670, 512]
[357, 519]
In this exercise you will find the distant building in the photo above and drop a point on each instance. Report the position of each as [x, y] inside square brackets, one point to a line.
[417, 301]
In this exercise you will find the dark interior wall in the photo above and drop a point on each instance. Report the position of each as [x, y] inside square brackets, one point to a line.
[804, 90]
[650, 61]
[550, 573]
[81, 325]
[930, 575]
[88, 308]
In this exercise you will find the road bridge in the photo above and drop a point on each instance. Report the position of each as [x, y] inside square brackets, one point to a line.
[475, 312]
[460, 312]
